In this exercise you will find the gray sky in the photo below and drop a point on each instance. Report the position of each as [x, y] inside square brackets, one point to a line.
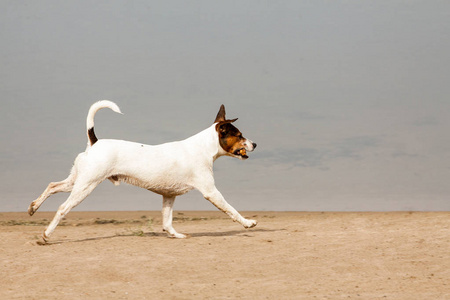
[347, 100]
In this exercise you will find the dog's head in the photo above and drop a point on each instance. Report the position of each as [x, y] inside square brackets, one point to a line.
[230, 138]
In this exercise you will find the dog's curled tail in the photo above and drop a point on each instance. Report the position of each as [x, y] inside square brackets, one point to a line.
[90, 118]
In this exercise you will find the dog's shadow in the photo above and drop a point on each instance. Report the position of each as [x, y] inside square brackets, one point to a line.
[240, 233]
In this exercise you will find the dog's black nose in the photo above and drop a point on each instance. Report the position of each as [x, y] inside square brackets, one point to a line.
[254, 145]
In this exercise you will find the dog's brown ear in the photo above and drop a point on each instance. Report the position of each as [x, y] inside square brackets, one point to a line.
[221, 114]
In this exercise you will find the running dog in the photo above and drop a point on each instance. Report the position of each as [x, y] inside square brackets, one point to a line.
[170, 169]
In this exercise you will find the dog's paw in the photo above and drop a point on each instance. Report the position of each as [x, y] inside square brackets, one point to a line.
[31, 209]
[250, 223]
[42, 243]
[177, 235]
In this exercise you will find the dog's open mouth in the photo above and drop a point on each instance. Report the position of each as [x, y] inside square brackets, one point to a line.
[241, 152]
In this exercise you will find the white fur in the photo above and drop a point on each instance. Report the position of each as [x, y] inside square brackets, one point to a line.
[96, 107]
[170, 169]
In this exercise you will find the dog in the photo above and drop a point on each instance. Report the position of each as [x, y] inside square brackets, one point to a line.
[170, 169]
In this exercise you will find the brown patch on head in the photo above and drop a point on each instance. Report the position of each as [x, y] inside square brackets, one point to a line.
[230, 138]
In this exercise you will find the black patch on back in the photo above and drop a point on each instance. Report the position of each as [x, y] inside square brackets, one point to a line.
[92, 138]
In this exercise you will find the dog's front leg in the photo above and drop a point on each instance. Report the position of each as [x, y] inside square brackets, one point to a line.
[216, 198]
[167, 218]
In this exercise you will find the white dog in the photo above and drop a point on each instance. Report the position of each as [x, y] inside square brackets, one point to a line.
[170, 169]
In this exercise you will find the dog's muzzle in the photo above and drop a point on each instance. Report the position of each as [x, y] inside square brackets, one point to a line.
[242, 152]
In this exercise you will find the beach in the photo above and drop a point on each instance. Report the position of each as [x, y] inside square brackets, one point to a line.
[288, 255]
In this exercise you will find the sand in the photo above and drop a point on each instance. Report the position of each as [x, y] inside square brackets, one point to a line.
[292, 255]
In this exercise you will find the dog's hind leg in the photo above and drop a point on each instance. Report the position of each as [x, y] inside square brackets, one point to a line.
[53, 188]
[167, 218]
[79, 192]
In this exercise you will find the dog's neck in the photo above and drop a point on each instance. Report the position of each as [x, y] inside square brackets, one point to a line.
[207, 143]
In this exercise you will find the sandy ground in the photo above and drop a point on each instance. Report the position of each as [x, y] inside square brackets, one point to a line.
[124, 255]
